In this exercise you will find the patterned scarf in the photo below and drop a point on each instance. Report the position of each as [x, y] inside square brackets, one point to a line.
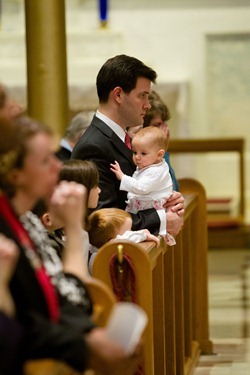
[20, 233]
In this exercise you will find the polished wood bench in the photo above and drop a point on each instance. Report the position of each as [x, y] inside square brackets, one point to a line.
[103, 301]
[171, 286]
[218, 145]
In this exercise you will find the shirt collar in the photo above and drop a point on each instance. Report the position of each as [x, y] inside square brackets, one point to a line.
[112, 125]
[65, 144]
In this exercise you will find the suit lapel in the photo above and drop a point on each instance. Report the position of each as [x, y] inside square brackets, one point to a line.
[118, 144]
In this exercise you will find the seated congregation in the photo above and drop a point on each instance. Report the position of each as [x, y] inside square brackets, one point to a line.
[105, 220]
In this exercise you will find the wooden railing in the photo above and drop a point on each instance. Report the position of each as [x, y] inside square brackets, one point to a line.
[103, 301]
[171, 286]
[221, 145]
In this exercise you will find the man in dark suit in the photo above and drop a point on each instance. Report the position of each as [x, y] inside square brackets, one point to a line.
[123, 86]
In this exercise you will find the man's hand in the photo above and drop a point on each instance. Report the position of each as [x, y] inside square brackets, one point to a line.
[175, 203]
[174, 222]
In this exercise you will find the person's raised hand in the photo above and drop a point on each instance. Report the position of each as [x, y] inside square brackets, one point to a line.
[68, 202]
[8, 258]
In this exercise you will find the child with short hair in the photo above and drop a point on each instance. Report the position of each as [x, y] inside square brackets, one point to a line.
[108, 224]
[53, 226]
[83, 172]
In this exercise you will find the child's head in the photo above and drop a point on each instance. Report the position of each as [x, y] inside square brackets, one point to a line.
[86, 173]
[149, 146]
[105, 224]
[51, 222]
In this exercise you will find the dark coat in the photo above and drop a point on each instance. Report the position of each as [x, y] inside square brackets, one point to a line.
[43, 338]
[63, 153]
[101, 145]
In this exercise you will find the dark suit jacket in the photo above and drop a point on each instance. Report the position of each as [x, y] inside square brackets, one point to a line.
[63, 154]
[101, 145]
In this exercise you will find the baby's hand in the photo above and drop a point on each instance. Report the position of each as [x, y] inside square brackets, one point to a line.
[117, 170]
[151, 237]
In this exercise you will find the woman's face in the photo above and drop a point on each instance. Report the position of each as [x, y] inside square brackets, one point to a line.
[39, 174]
[160, 123]
[94, 197]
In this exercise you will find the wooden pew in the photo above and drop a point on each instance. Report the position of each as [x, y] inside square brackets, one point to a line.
[218, 145]
[143, 284]
[103, 301]
[171, 285]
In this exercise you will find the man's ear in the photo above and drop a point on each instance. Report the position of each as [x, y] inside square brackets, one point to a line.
[117, 92]
[46, 220]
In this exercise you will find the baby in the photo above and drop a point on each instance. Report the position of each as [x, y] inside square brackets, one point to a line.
[151, 184]
[109, 224]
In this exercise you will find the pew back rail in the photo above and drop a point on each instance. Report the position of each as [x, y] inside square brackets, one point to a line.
[172, 288]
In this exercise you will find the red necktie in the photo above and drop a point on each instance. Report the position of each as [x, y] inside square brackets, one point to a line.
[127, 141]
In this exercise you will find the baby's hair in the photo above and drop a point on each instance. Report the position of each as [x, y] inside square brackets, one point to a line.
[157, 136]
[104, 224]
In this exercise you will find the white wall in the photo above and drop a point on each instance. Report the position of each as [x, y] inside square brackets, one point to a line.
[170, 36]
[173, 41]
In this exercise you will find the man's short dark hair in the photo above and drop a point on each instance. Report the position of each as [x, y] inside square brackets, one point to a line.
[122, 71]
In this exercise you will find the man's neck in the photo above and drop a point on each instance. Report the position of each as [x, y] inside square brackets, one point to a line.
[112, 115]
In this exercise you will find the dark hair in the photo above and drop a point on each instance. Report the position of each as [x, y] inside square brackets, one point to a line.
[8, 135]
[158, 108]
[123, 71]
[3, 96]
[84, 172]
[40, 208]
[25, 128]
